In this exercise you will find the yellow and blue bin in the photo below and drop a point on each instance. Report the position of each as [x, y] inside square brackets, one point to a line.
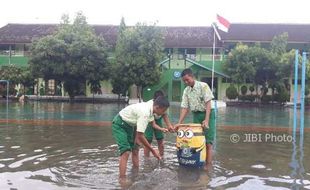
[191, 145]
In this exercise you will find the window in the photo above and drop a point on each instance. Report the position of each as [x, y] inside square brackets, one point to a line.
[51, 87]
[226, 80]
[169, 52]
[191, 53]
[181, 53]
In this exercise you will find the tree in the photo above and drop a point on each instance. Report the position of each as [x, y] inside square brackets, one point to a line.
[239, 64]
[27, 80]
[73, 55]
[13, 75]
[119, 77]
[138, 52]
[279, 43]
[252, 63]
[265, 68]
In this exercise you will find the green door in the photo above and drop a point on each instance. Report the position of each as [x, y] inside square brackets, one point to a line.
[176, 91]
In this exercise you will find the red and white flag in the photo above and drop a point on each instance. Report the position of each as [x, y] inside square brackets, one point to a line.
[222, 23]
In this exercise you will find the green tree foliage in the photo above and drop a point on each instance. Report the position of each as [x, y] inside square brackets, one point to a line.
[138, 51]
[239, 64]
[27, 80]
[73, 55]
[12, 74]
[119, 78]
[279, 44]
[265, 67]
[261, 66]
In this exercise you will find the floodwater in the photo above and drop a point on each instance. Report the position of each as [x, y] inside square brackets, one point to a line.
[70, 146]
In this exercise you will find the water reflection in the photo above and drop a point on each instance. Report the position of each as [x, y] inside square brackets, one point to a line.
[298, 170]
[65, 156]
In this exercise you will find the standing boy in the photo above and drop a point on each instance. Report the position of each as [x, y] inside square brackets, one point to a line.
[197, 98]
[128, 130]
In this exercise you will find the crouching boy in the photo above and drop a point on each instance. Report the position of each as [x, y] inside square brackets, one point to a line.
[128, 129]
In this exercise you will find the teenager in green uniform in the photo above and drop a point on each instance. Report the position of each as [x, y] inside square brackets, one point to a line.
[128, 129]
[156, 128]
[197, 98]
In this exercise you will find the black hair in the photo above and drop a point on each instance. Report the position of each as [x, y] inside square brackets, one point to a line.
[187, 71]
[158, 93]
[161, 102]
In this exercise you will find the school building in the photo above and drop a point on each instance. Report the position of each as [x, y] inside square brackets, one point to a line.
[185, 47]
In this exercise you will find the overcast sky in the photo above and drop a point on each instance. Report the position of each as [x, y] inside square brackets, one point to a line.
[165, 12]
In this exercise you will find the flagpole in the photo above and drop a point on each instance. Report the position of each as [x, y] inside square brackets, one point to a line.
[213, 59]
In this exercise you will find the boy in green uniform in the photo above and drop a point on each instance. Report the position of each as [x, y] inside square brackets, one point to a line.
[197, 98]
[128, 129]
[155, 128]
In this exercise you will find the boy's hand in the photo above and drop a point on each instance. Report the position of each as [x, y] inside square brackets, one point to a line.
[164, 130]
[156, 154]
[170, 128]
[205, 124]
[176, 127]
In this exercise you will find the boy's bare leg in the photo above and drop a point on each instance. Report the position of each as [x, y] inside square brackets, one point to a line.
[161, 147]
[209, 153]
[123, 164]
[209, 157]
[135, 158]
[146, 152]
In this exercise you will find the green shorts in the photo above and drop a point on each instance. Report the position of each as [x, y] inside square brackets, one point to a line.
[123, 134]
[150, 131]
[198, 117]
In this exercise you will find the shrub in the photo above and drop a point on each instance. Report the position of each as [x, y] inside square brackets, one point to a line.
[251, 88]
[266, 98]
[282, 97]
[231, 92]
[244, 90]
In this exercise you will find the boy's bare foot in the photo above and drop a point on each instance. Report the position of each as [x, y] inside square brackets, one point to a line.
[208, 167]
[124, 182]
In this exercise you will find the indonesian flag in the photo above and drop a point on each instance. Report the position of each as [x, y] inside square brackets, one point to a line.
[222, 23]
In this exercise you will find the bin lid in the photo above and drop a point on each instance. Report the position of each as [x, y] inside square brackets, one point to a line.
[190, 125]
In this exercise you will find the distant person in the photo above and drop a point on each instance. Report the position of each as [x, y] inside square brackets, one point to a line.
[22, 98]
[128, 129]
[197, 98]
[156, 128]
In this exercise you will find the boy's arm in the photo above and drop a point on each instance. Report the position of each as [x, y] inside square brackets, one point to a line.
[184, 112]
[155, 126]
[141, 138]
[205, 122]
[142, 123]
[168, 123]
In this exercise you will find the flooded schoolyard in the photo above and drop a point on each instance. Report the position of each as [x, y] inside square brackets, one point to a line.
[70, 146]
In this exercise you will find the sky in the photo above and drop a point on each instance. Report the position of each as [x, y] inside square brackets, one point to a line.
[162, 12]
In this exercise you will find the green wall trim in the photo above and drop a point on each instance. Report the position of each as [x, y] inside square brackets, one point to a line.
[216, 67]
[17, 61]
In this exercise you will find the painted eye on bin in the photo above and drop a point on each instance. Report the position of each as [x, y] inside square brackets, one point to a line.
[189, 134]
[180, 134]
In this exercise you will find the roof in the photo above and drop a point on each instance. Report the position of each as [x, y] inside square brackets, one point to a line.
[176, 37]
[24, 33]
[297, 33]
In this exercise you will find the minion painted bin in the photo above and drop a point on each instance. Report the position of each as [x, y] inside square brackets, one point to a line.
[191, 145]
